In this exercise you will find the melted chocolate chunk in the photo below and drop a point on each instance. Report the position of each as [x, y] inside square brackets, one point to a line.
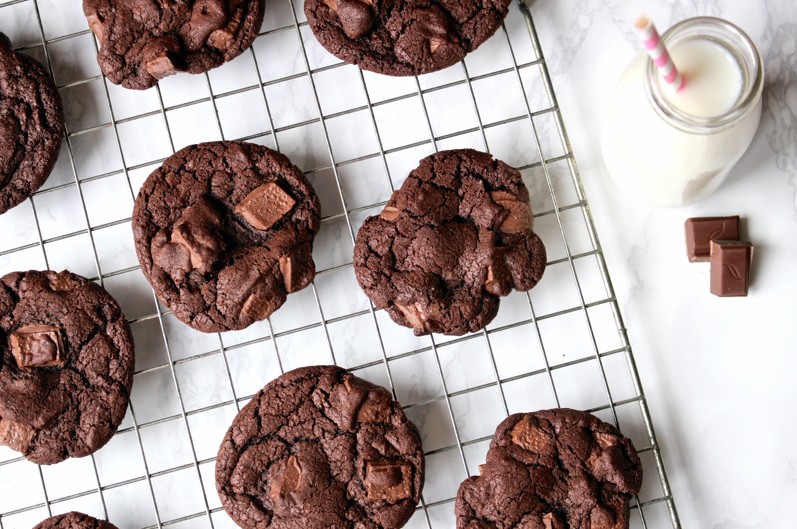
[388, 480]
[37, 346]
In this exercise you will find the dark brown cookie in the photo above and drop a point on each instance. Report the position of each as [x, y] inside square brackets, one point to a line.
[67, 365]
[74, 520]
[553, 469]
[31, 126]
[224, 231]
[319, 448]
[455, 237]
[404, 37]
[143, 41]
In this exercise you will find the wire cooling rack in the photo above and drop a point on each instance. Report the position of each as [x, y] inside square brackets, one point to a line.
[356, 135]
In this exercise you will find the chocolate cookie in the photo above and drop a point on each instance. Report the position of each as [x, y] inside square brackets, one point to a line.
[143, 41]
[74, 520]
[554, 469]
[67, 365]
[31, 126]
[404, 37]
[455, 237]
[319, 448]
[224, 231]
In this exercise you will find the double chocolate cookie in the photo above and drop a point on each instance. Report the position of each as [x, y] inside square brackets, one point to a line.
[319, 448]
[143, 41]
[74, 520]
[404, 37]
[67, 365]
[554, 469]
[31, 126]
[454, 238]
[224, 231]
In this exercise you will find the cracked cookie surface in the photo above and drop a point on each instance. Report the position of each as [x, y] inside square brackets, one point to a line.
[450, 242]
[319, 448]
[143, 41]
[552, 469]
[404, 37]
[31, 126]
[67, 365]
[74, 520]
[224, 231]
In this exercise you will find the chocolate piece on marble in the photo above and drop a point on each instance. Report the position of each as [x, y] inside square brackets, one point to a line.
[700, 231]
[730, 267]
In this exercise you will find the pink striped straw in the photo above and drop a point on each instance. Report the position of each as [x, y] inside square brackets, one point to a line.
[661, 58]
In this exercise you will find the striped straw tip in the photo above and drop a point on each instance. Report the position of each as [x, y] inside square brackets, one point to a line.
[642, 22]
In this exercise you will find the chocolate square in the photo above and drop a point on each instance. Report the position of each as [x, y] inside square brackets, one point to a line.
[730, 267]
[265, 205]
[37, 346]
[700, 231]
[388, 480]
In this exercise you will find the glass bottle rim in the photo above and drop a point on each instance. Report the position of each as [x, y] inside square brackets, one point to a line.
[743, 50]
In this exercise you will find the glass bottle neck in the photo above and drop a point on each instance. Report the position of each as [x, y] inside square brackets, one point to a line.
[739, 48]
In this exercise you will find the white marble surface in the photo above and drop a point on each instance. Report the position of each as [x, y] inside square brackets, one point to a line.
[719, 374]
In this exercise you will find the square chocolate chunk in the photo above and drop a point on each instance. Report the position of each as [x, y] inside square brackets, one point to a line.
[264, 206]
[700, 231]
[730, 267]
[388, 480]
[37, 346]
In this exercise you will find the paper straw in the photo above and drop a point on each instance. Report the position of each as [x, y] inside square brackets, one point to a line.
[661, 58]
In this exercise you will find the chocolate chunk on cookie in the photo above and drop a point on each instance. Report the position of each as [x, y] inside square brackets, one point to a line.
[454, 238]
[31, 126]
[67, 365]
[74, 520]
[553, 469]
[143, 41]
[224, 231]
[320, 448]
[404, 37]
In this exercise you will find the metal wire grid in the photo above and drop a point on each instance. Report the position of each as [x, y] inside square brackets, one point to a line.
[94, 485]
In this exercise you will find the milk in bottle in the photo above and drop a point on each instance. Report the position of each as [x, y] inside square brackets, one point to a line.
[671, 148]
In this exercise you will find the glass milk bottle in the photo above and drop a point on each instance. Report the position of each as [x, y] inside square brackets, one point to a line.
[671, 148]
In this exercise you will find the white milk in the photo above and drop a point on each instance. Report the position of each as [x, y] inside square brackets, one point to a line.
[668, 148]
